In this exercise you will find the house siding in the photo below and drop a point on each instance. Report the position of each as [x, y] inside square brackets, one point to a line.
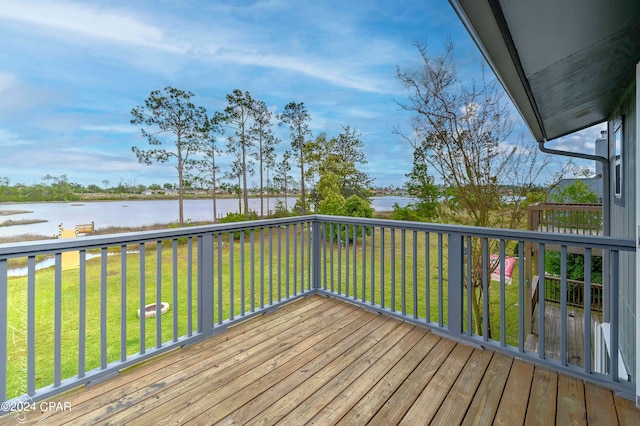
[623, 218]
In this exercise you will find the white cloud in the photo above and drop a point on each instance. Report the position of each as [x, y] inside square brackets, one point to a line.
[88, 21]
[334, 74]
[110, 128]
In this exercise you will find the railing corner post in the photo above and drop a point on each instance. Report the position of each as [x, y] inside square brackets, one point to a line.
[205, 284]
[455, 282]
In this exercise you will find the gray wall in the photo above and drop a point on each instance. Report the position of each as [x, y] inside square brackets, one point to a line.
[623, 217]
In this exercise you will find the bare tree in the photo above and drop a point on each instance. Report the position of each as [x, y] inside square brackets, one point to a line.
[464, 133]
[169, 112]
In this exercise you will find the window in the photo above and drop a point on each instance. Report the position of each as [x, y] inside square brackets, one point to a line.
[618, 178]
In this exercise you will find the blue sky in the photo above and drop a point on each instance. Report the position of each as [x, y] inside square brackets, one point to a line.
[71, 71]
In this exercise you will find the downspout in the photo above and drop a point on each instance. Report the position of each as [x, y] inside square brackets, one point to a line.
[606, 178]
[606, 207]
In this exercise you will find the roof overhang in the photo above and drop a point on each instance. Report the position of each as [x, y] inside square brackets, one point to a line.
[565, 64]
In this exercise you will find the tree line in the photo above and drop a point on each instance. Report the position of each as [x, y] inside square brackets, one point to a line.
[182, 133]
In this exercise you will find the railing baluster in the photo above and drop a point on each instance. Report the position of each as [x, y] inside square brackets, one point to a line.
[302, 258]
[521, 297]
[393, 269]
[346, 256]
[586, 355]
[57, 322]
[253, 269]
[615, 284]
[403, 265]
[286, 259]
[414, 258]
[309, 258]
[270, 266]
[323, 229]
[232, 267]
[485, 290]
[31, 323]
[103, 307]
[142, 295]
[440, 269]
[280, 263]
[363, 292]
[123, 301]
[331, 255]
[219, 299]
[190, 286]
[174, 274]
[316, 236]
[373, 266]
[355, 264]
[503, 297]
[4, 326]
[427, 287]
[541, 288]
[469, 287]
[339, 241]
[382, 267]
[262, 267]
[295, 259]
[158, 294]
[563, 305]
[242, 295]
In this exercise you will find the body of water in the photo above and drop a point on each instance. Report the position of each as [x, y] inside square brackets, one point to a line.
[135, 213]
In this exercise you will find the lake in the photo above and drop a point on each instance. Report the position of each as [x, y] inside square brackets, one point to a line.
[135, 213]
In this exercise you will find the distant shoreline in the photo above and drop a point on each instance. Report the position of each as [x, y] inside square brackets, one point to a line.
[139, 197]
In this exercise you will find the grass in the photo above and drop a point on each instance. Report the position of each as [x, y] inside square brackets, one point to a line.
[285, 277]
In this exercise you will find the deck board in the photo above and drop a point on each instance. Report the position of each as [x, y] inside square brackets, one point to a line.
[322, 361]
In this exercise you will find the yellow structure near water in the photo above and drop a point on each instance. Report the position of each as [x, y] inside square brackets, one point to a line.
[70, 259]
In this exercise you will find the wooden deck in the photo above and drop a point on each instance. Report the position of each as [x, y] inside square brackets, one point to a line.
[323, 361]
[575, 333]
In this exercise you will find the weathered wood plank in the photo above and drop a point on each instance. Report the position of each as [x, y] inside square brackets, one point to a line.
[422, 353]
[457, 402]
[391, 348]
[343, 403]
[628, 414]
[216, 365]
[513, 405]
[290, 313]
[323, 361]
[253, 398]
[485, 402]
[601, 409]
[542, 400]
[395, 407]
[445, 401]
[571, 408]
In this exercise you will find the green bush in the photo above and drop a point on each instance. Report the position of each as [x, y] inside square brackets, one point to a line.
[239, 217]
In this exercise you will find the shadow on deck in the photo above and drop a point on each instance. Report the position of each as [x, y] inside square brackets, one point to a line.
[324, 361]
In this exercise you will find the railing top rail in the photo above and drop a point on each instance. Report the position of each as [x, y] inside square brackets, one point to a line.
[97, 241]
[586, 207]
[614, 243]
[90, 242]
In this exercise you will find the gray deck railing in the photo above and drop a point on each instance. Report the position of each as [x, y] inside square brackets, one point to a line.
[67, 325]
